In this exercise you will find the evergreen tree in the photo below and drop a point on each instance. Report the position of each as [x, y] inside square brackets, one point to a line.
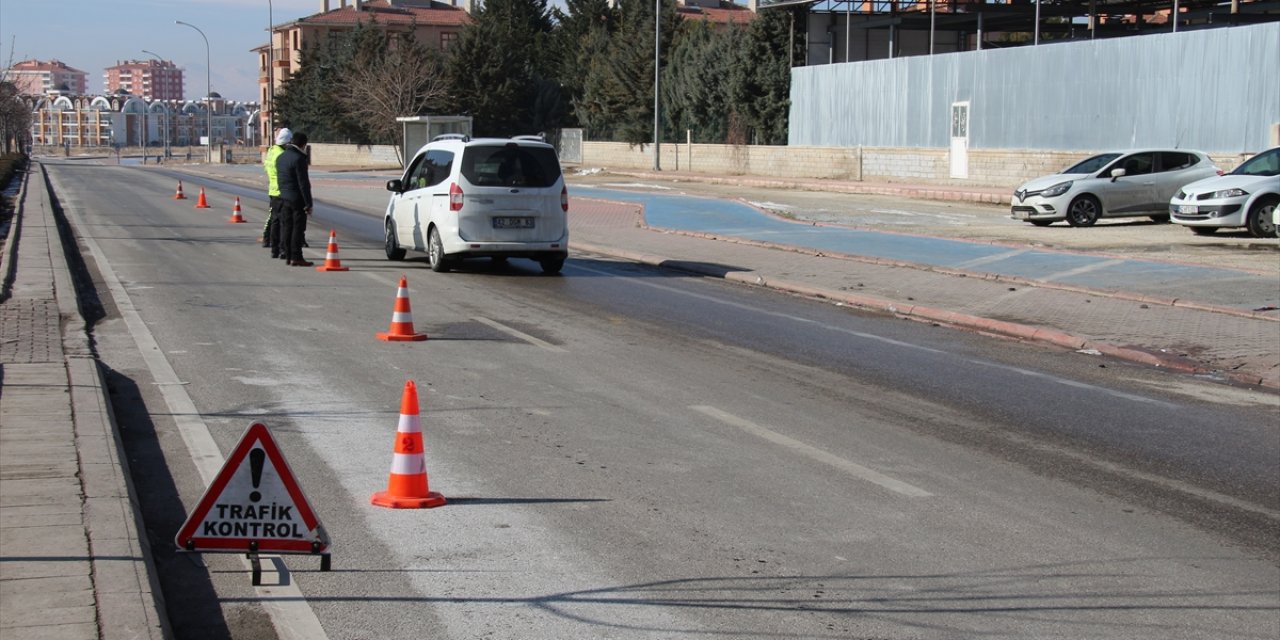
[571, 47]
[497, 71]
[695, 85]
[761, 84]
[308, 102]
[620, 95]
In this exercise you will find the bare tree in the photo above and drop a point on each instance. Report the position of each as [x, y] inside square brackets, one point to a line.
[15, 118]
[389, 77]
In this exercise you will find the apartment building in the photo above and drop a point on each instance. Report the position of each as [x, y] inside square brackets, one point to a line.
[150, 79]
[433, 23]
[38, 77]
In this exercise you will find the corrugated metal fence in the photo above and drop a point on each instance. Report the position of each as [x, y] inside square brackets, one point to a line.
[1216, 90]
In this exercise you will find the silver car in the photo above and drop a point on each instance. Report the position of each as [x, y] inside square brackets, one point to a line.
[1111, 185]
[1247, 197]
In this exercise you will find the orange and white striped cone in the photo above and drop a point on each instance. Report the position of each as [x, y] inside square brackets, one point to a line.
[407, 486]
[235, 212]
[401, 329]
[201, 203]
[331, 261]
[178, 195]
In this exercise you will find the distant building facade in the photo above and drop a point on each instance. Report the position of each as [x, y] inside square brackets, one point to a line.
[150, 79]
[125, 120]
[38, 77]
[433, 24]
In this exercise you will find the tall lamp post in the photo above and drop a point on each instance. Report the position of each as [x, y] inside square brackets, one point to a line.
[164, 120]
[208, 92]
[268, 135]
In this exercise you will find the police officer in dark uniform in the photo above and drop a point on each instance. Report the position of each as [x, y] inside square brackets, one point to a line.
[295, 199]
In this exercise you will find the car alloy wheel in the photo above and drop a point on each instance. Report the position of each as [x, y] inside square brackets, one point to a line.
[1083, 211]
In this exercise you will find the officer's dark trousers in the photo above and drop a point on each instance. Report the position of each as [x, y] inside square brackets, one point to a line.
[293, 228]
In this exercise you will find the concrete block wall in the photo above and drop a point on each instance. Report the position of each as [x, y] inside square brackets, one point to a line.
[354, 156]
[987, 167]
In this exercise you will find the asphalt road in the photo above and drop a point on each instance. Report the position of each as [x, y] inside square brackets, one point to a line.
[631, 453]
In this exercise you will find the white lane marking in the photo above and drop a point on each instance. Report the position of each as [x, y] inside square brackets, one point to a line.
[977, 262]
[852, 468]
[1079, 270]
[897, 343]
[519, 334]
[284, 602]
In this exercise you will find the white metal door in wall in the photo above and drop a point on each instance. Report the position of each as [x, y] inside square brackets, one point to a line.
[960, 140]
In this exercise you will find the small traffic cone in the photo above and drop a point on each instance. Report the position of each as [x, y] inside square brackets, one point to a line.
[331, 261]
[407, 486]
[235, 212]
[401, 319]
[178, 195]
[201, 203]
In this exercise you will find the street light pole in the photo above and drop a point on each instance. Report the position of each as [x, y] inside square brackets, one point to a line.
[271, 79]
[164, 120]
[208, 81]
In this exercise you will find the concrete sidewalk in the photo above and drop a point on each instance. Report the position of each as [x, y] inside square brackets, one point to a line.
[72, 564]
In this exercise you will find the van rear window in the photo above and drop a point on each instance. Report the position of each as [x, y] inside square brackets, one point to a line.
[510, 165]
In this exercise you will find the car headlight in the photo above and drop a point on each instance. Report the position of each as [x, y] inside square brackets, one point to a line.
[1229, 193]
[1056, 190]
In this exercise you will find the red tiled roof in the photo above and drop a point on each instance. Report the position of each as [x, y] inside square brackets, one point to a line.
[41, 65]
[386, 14]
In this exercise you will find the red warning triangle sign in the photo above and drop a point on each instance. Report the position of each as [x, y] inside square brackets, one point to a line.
[254, 504]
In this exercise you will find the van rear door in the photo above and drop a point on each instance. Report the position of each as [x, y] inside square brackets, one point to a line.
[511, 193]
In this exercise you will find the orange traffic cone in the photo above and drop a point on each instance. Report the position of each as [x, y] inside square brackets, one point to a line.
[401, 319]
[235, 212]
[201, 203]
[178, 195]
[331, 261]
[407, 486]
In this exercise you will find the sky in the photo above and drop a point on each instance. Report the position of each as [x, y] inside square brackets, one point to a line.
[91, 35]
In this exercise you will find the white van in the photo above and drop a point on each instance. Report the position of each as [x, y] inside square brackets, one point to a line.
[489, 197]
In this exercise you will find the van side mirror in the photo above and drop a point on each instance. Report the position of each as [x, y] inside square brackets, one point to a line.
[395, 185]
[1118, 172]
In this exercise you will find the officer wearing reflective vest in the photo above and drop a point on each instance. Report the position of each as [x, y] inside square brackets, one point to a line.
[271, 229]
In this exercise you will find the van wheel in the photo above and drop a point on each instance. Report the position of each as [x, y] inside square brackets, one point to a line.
[1259, 222]
[394, 252]
[435, 252]
[1083, 211]
[551, 266]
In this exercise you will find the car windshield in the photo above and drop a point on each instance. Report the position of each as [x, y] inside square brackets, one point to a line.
[510, 165]
[1093, 164]
[1266, 163]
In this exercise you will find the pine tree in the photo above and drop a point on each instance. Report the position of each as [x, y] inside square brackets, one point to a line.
[761, 85]
[497, 68]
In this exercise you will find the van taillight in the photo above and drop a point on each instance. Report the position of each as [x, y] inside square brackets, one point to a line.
[455, 197]
[564, 198]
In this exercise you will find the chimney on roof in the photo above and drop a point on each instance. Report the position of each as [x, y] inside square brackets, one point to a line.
[324, 6]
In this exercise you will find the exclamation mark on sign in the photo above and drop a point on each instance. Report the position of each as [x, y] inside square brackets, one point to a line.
[256, 458]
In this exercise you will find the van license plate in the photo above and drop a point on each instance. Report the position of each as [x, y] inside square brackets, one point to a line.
[507, 222]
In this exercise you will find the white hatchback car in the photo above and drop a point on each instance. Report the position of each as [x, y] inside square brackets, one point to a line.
[488, 197]
[1122, 183]
[1247, 197]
